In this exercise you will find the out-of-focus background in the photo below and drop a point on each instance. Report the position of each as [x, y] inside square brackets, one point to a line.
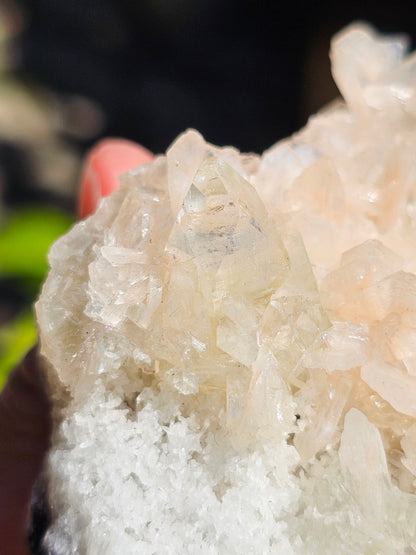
[244, 72]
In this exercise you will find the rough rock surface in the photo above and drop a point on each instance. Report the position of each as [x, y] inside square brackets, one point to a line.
[231, 339]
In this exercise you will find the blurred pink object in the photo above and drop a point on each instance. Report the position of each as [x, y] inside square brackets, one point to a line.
[103, 165]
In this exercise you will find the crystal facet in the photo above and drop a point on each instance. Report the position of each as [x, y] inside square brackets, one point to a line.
[231, 339]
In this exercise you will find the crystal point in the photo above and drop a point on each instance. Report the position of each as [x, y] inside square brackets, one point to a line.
[230, 340]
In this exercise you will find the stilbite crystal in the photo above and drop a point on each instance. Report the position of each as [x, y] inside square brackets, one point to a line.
[231, 339]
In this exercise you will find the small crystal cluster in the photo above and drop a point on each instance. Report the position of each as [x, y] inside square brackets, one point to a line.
[231, 339]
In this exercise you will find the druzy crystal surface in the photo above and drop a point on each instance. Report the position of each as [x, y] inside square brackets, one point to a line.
[231, 339]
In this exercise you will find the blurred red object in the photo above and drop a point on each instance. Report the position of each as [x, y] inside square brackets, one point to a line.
[103, 165]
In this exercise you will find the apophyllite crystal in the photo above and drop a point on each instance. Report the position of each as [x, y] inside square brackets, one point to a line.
[231, 339]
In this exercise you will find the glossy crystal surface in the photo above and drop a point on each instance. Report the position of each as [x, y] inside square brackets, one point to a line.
[246, 325]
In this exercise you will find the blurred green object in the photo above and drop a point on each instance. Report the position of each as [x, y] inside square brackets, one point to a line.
[25, 238]
[16, 338]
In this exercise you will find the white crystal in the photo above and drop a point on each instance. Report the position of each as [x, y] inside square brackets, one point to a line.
[363, 461]
[391, 383]
[231, 339]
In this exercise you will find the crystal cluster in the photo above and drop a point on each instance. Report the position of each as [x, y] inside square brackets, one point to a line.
[231, 339]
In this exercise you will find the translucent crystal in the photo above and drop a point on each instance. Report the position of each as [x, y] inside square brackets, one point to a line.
[363, 461]
[231, 339]
[360, 60]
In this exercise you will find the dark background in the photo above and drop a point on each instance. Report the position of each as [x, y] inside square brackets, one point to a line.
[245, 73]
[234, 70]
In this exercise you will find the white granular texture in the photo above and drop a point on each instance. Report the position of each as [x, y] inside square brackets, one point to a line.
[230, 341]
[157, 483]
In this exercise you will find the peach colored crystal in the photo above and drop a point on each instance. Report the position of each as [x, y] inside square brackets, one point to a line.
[274, 298]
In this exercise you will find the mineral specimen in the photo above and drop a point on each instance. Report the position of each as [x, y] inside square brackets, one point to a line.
[231, 339]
